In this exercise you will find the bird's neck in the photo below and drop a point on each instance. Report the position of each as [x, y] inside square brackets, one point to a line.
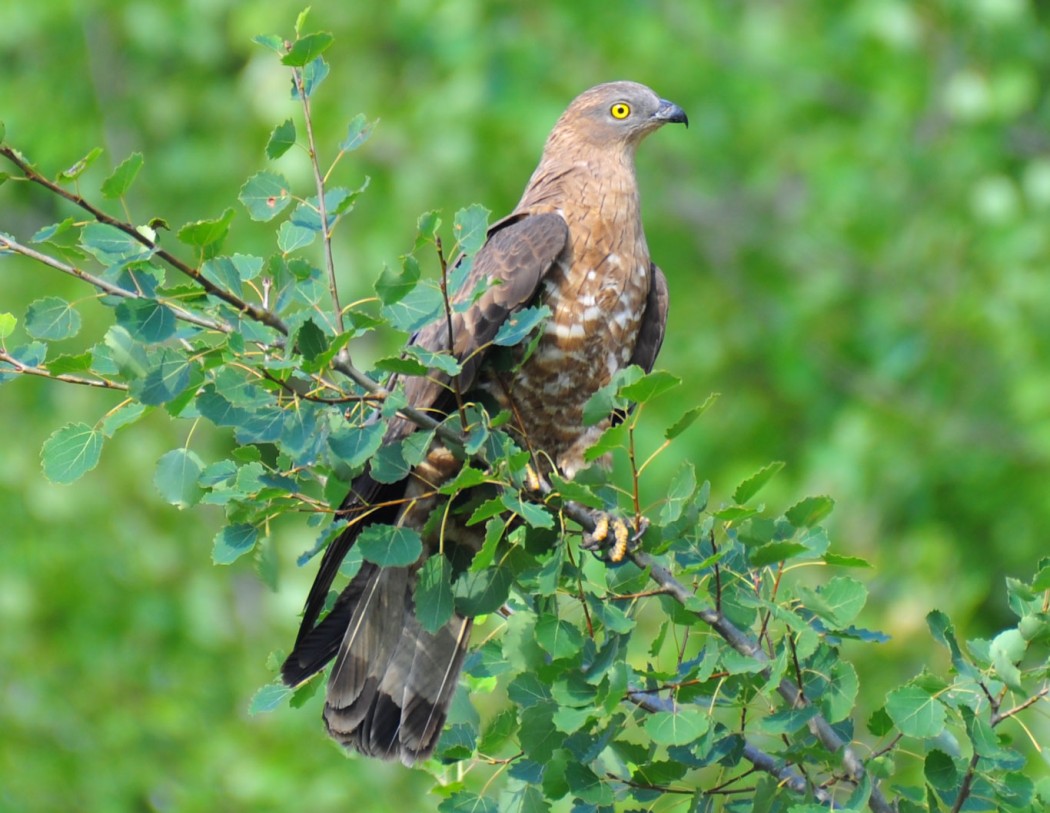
[602, 185]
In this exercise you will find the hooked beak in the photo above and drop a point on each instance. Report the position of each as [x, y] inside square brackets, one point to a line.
[669, 112]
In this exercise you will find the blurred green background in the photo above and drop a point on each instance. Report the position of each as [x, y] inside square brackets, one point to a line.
[856, 230]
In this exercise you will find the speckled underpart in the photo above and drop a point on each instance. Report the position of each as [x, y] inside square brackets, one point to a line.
[596, 292]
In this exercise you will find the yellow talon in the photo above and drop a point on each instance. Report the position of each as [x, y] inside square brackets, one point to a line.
[532, 479]
[622, 536]
[601, 529]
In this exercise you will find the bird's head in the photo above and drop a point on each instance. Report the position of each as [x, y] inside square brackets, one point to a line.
[617, 113]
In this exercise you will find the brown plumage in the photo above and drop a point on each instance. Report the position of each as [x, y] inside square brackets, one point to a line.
[574, 243]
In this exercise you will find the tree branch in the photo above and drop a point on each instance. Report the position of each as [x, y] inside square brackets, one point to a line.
[745, 645]
[760, 759]
[106, 287]
[28, 369]
[253, 311]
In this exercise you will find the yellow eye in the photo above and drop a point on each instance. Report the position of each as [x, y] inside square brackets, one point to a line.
[620, 110]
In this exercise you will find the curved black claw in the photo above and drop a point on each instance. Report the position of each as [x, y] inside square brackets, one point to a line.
[612, 538]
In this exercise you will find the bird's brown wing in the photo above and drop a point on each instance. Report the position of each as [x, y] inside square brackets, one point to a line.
[518, 253]
[520, 250]
[654, 321]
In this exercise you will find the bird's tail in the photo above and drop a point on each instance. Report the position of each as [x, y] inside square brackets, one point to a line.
[392, 682]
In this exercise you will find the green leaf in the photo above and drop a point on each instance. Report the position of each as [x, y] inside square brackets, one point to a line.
[677, 728]
[443, 362]
[128, 354]
[292, 238]
[311, 340]
[52, 318]
[838, 699]
[537, 735]
[557, 637]
[110, 245]
[355, 444]
[465, 801]
[879, 723]
[307, 49]
[788, 721]
[1006, 651]
[77, 169]
[117, 184]
[203, 233]
[682, 488]
[359, 132]
[232, 542]
[388, 465]
[753, 484]
[483, 591]
[434, 600]
[337, 201]
[838, 560]
[683, 423]
[313, 75]
[167, 380]
[79, 363]
[8, 321]
[269, 697]
[470, 227]
[426, 227]
[176, 477]
[146, 319]
[940, 771]
[388, 546]
[843, 598]
[47, 233]
[535, 515]
[650, 386]
[281, 139]
[810, 511]
[393, 286]
[915, 712]
[124, 415]
[519, 325]
[70, 452]
[774, 552]
[265, 195]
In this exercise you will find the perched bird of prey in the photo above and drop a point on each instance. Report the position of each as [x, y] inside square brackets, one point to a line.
[575, 244]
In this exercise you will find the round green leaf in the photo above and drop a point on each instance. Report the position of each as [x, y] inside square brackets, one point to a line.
[388, 546]
[70, 452]
[434, 593]
[915, 711]
[233, 541]
[7, 324]
[269, 697]
[677, 728]
[176, 477]
[52, 318]
[265, 195]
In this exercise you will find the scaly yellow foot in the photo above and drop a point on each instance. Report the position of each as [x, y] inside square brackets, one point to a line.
[612, 536]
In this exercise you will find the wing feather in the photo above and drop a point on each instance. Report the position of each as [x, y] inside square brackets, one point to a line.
[519, 252]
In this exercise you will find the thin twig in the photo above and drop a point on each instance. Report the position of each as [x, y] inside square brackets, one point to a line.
[448, 325]
[1031, 701]
[106, 287]
[326, 234]
[253, 311]
[29, 369]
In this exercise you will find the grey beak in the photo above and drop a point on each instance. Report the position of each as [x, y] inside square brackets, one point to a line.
[670, 112]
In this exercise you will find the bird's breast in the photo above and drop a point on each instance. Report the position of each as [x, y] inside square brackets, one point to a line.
[597, 298]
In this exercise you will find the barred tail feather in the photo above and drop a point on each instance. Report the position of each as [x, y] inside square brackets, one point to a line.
[390, 688]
